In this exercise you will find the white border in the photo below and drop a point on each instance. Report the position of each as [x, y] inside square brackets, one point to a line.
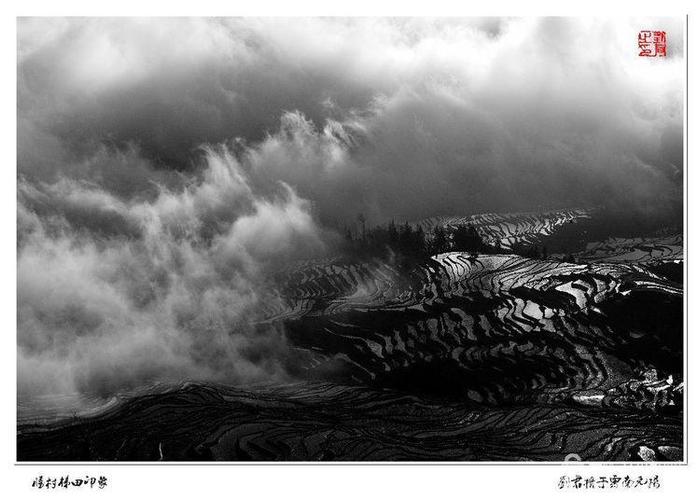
[309, 481]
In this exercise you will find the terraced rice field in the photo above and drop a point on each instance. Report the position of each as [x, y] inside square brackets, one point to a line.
[635, 250]
[312, 422]
[505, 230]
[462, 357]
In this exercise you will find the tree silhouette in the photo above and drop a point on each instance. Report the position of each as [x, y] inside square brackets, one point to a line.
[362, 220]
[466, 239]
[440, 242]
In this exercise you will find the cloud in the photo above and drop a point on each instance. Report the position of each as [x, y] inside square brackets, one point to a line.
[166, 166]
[115, 293]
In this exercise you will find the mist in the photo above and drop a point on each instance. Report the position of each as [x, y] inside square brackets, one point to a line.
[166, 167]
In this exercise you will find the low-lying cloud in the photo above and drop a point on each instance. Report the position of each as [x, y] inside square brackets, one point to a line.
[114, 293]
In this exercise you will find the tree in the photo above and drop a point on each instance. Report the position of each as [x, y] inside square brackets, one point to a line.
[440, 242]
[392, 234]
[405, 238]
[419, 246]
[466, 239]
[361, 218]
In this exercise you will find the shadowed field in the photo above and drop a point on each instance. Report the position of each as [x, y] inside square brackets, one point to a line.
[329, 422]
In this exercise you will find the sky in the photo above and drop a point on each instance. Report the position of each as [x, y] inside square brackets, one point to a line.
[166, 166]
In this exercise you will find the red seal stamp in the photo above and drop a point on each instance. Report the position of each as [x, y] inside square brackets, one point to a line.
[652, 43]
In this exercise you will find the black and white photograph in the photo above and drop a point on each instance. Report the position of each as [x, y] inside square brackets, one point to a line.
[443, 254]
[350, 239]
